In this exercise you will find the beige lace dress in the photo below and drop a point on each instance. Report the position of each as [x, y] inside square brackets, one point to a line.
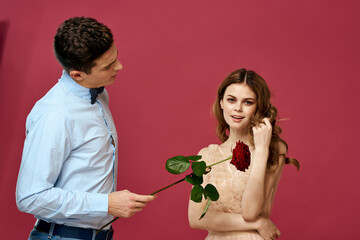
[230, 184]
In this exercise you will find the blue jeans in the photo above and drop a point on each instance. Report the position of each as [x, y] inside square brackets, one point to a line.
[36, 235]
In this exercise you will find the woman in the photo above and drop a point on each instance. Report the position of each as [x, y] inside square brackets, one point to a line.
[244, 113]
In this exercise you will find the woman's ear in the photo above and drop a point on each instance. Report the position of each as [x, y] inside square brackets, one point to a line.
[221, 104]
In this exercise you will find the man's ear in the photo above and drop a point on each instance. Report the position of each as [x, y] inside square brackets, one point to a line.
[77, 75]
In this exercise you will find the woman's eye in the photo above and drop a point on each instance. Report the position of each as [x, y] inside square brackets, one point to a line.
[231, 100]
[248, 102]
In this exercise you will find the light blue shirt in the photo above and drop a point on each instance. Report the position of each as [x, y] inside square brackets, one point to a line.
[69, 163]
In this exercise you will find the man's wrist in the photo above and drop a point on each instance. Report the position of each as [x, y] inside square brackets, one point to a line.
[99, 204]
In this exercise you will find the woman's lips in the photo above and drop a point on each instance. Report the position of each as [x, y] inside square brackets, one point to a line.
[237, 118]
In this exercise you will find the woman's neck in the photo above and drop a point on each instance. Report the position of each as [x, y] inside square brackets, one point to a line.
[235, 137]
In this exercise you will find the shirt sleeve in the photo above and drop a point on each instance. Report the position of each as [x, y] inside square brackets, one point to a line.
[47, 146]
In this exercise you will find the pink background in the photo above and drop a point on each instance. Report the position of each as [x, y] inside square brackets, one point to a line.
[175, 54]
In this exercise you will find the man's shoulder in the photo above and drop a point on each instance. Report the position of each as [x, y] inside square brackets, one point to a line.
[50, 102]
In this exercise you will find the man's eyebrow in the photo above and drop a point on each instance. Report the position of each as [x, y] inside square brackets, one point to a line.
[111, 63]
[114, 60]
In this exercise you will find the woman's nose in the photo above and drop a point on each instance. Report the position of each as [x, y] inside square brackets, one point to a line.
[238, 107]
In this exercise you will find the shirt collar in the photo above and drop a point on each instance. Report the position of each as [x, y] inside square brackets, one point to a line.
[74, 87]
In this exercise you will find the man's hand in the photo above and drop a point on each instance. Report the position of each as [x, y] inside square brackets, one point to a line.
[125, 203]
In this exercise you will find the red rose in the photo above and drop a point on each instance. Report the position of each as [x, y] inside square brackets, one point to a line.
[241, 156]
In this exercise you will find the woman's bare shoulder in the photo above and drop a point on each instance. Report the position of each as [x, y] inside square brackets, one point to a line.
[209, 149]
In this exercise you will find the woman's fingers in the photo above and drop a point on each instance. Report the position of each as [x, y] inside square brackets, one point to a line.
[277, 233]
[266, 122]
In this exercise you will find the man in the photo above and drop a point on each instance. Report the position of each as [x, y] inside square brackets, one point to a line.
[67, 177]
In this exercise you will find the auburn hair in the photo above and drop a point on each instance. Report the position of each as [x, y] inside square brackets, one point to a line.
[264, 110]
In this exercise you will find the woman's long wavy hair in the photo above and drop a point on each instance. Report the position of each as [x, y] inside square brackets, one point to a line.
[264, 109]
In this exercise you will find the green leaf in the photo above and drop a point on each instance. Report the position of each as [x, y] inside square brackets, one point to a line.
[198, 168]
[193, 179]
[196, 193]
[211, 192]
[194, 158]
[177, 164]
[205, 210]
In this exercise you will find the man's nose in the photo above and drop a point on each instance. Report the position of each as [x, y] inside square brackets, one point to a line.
[118, 66]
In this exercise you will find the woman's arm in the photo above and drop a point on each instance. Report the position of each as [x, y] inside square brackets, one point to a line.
[226, 222]
[262, 184]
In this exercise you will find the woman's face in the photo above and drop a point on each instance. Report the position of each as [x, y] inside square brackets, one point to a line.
[238, 104]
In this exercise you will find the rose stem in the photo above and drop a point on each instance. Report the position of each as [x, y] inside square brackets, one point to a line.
[219, 162]
[162, 190]
[150, 194]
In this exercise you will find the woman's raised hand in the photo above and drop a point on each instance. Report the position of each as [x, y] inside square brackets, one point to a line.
[262, 134]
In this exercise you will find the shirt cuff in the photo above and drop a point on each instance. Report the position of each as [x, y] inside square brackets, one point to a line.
[99, 204]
